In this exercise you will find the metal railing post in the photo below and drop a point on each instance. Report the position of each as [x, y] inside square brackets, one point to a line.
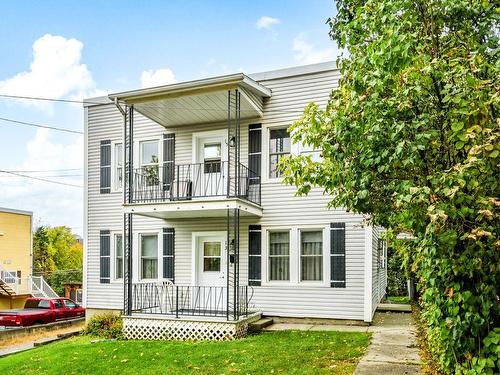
[177, 301]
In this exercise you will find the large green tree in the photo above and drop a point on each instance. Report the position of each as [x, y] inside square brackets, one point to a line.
[56, 249]
[411, 137]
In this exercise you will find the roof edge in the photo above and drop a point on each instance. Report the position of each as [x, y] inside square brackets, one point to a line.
[15, 211]
[187, 86]
[294, 71]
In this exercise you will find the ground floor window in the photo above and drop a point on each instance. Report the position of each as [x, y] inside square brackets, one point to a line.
[118, 256]
[149, 256]
[279, 256]
[297, 255]
[311, 255]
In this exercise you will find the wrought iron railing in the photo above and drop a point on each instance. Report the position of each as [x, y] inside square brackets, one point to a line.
[177, 182]
[185, 300]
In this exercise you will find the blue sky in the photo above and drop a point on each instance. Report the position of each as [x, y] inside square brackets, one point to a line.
[76, 49]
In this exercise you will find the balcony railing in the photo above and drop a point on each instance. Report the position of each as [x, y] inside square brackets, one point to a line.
[177, 182]
[178, 300]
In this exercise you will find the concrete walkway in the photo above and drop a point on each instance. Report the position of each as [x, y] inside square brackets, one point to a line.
[393, 349]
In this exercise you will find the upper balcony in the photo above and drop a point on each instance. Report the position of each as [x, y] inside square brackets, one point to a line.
[216, 180]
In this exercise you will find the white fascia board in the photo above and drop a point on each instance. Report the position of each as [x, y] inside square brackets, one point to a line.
[185, 88]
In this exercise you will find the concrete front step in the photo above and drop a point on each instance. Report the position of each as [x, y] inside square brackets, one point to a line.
[260, 324]
[394, 307]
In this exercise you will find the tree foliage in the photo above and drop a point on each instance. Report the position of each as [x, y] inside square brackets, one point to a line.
[411, 136]
[56, 249]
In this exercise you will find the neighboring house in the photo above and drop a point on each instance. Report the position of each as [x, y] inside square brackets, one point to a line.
[190, 223]
[16, 280]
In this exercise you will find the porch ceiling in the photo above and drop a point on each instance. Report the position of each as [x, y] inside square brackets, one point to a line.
[195, 102]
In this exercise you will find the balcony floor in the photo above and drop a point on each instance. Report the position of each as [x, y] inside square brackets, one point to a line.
[194, 208]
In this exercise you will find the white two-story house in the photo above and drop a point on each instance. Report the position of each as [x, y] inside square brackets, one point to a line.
[189, 227]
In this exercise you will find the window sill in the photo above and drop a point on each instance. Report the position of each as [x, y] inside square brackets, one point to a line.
[294, 285]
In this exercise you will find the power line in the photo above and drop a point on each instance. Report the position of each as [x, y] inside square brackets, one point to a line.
[41, 179]
[43, 170]
[55, 175]
[46, 99]
[40, 126]
[152, 105]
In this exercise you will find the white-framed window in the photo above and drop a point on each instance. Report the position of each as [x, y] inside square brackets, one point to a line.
[311, 255]
[309, 150]
[279, 256]
[382, 253]
[296, 255]
[118, 251]
[149, 161]
[212, 157]
[149, 256]
[279, 146]
[118, 166]
[212, 256]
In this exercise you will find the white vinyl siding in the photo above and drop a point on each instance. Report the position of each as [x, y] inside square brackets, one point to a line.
[282, 209]
[379, 274]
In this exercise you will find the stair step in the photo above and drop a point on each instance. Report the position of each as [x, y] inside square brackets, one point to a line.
[260, 324]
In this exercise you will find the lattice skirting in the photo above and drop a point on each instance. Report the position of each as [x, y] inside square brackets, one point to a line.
[168, 329]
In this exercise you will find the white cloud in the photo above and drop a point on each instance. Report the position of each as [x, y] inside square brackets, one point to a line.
[55, 72]
[307, 53]
[159, 77]
[266, 22]
[53, 204]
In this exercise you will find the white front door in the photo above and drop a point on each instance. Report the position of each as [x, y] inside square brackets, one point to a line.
[211, 260]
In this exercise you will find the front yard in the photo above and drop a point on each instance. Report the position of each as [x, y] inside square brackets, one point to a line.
[286, 352]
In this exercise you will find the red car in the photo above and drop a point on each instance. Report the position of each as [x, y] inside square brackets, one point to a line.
[41, 311]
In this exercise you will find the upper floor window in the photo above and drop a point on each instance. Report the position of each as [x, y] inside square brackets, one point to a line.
[309, 150]
[279, 256]
[149, 160]
[279, 146]
[118, 166]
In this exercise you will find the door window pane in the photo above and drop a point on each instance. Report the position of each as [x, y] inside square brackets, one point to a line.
[211, 256]
[212, 157]
[311, 256]
[149, 152]
[279, 146]
[149, 162]
[279, 256]
[149, 256]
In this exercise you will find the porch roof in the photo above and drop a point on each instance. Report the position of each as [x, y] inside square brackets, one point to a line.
[193, 102]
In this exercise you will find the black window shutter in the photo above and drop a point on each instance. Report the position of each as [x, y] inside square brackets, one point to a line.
[105, 256]
[168, 253]
[168, 159]
[254, 153]
[105, 167]
[337, 255]
[254, 255]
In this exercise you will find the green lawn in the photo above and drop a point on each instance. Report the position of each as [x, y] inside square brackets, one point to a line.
[398, 299]
[286, 352]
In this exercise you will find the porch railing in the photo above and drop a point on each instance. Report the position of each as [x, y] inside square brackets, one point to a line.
[177, 182]
[185, 300]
